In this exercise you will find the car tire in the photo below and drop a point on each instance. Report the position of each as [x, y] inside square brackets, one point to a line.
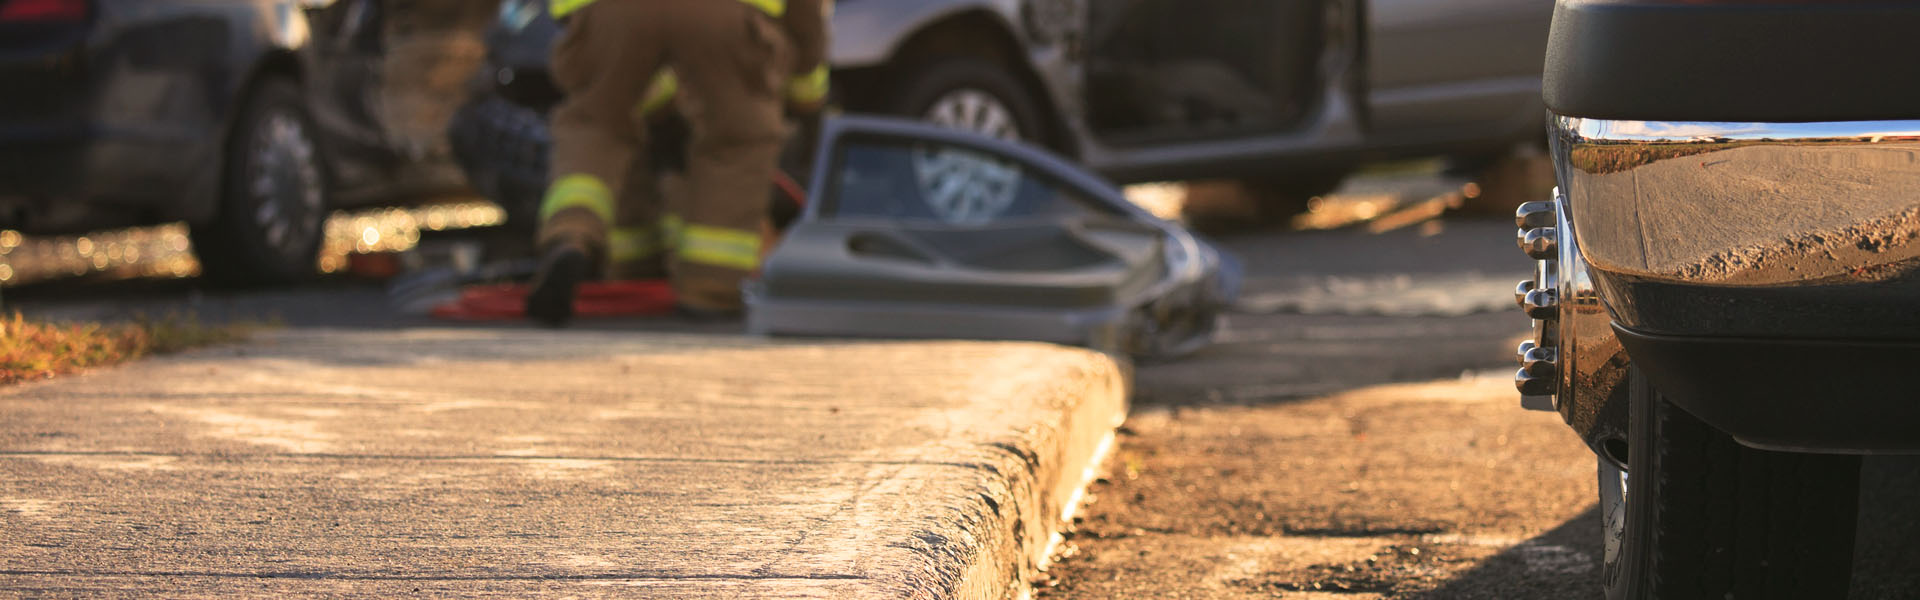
[970, 94]
[1703, 516]
[274, 195]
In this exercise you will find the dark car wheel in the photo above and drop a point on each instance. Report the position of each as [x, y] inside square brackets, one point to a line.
[273, 201]
[973, 95]
[1702, 516]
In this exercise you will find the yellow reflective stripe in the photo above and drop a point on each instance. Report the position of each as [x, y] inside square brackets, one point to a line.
[561, 8]
[625, 244]
[809, 88]
[671, 227]
[775, 8]
[720, 247]
[660, 92]
[578, 190]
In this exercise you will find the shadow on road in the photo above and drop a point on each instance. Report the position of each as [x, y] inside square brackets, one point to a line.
[1563, 563]
[1888, 548]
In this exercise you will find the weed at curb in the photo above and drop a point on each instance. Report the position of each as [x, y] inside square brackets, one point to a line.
[31, 350]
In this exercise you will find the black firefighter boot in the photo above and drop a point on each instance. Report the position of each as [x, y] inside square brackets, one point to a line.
[565, 266]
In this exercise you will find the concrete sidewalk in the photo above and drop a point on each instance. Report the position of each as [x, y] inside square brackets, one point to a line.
[515, 463]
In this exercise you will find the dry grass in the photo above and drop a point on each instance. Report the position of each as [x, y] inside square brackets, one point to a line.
[32, 350]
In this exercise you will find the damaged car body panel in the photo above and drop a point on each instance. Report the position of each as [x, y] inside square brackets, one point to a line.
[920, 231]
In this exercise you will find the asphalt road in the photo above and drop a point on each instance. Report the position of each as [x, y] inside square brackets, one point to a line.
[1369, 444]
[1353, 434]
[1277, 464]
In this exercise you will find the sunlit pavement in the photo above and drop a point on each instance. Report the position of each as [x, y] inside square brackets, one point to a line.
[1442, 489]
[512, 463]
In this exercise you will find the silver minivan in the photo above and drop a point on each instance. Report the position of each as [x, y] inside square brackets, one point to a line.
[1275, 90]
[1287, 95]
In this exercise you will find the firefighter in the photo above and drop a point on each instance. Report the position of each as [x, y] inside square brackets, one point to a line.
[737, 66]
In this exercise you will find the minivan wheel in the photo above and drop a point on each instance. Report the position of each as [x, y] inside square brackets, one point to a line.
[1697, 515]
[970, 94]
[274, 197]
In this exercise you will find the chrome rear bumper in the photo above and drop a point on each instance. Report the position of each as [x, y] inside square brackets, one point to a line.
[1705, 235]
[1749, 229]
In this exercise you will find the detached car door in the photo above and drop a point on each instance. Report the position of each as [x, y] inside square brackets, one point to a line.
[914, 230]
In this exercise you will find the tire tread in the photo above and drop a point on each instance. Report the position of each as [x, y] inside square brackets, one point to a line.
[225, 247]
[1728, 521]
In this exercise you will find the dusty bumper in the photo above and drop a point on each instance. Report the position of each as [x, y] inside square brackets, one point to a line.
[1747, 229]
[1763, 275]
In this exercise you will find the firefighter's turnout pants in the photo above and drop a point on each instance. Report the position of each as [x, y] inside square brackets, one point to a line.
[733, 61]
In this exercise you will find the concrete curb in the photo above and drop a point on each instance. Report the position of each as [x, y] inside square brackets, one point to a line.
[991, 537]
[461, 463]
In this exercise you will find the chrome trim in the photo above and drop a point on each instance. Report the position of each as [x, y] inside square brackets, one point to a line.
[1538, 213]
[1539, 242]
[1744, 204]
[1540, 362]
[1538, 379]
[1592, 362]
[1574, 361]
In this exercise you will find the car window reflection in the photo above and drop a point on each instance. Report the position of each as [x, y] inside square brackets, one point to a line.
[943, 184]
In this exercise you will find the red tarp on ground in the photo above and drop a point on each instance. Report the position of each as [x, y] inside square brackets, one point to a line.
[597, 299]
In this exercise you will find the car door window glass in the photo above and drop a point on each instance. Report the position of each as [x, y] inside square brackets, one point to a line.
[945, 184]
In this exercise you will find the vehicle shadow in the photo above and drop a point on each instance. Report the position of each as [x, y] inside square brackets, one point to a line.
[1887, 549]
[1545, 566]
[1563, 563]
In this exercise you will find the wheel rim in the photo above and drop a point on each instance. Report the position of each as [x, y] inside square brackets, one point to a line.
[1613, 510]
[284, 185]
[975, 110]
[965, 188]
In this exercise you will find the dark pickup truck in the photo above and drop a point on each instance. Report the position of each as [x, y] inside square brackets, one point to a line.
[1724, 296]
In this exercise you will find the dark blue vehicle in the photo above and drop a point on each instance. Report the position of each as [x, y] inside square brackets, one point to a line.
[247, 119]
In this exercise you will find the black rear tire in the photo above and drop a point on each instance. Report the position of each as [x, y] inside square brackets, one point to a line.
[274, 197]
[1705, 517]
